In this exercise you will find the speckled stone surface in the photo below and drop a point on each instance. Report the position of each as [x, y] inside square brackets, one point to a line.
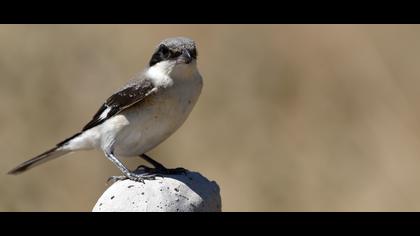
[189, 192]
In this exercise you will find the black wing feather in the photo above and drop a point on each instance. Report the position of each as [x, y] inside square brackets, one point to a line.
[120, 101]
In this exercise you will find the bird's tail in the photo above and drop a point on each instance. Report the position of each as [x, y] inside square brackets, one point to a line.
[49, 155]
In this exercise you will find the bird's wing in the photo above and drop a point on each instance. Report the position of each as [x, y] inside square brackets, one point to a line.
[120, 101]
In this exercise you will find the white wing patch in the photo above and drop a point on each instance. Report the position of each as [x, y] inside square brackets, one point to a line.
[105, 113]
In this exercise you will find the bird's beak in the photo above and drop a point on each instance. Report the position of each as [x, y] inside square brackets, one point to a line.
[185, 57]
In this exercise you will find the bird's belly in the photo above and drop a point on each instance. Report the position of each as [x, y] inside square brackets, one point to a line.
[152, 121]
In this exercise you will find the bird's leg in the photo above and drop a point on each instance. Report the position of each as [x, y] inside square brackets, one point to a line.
[127, 173]
[155, 164]
[159, 168]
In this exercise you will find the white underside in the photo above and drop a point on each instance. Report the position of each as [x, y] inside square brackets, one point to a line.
[143, 126]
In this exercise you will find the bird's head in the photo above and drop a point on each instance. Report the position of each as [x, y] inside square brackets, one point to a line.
[174, 54]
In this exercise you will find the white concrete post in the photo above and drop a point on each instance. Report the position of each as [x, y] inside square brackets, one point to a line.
[189, 192]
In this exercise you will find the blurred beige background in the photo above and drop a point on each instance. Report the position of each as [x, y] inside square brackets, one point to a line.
[291, 118]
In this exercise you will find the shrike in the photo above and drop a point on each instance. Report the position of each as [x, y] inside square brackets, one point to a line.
[140, 115]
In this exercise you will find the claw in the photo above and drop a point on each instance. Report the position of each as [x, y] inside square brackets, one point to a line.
[141, 177]
[143, 173]
[132, 176]
[116, 178]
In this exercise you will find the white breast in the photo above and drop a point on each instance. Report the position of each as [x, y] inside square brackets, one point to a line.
[157, 117]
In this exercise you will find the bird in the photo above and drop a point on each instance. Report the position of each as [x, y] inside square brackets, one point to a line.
[140, 115]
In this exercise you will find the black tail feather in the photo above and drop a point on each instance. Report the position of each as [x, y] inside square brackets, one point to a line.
[48, 155]
[44, 157]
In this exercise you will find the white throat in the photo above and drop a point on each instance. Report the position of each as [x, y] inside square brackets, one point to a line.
[160, 73]
[164, 73]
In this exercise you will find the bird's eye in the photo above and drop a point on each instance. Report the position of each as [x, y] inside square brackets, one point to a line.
[164, 51]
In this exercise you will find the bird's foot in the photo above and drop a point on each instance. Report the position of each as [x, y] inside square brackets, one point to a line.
[116, 178]
[133, 176]
[161, 170]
